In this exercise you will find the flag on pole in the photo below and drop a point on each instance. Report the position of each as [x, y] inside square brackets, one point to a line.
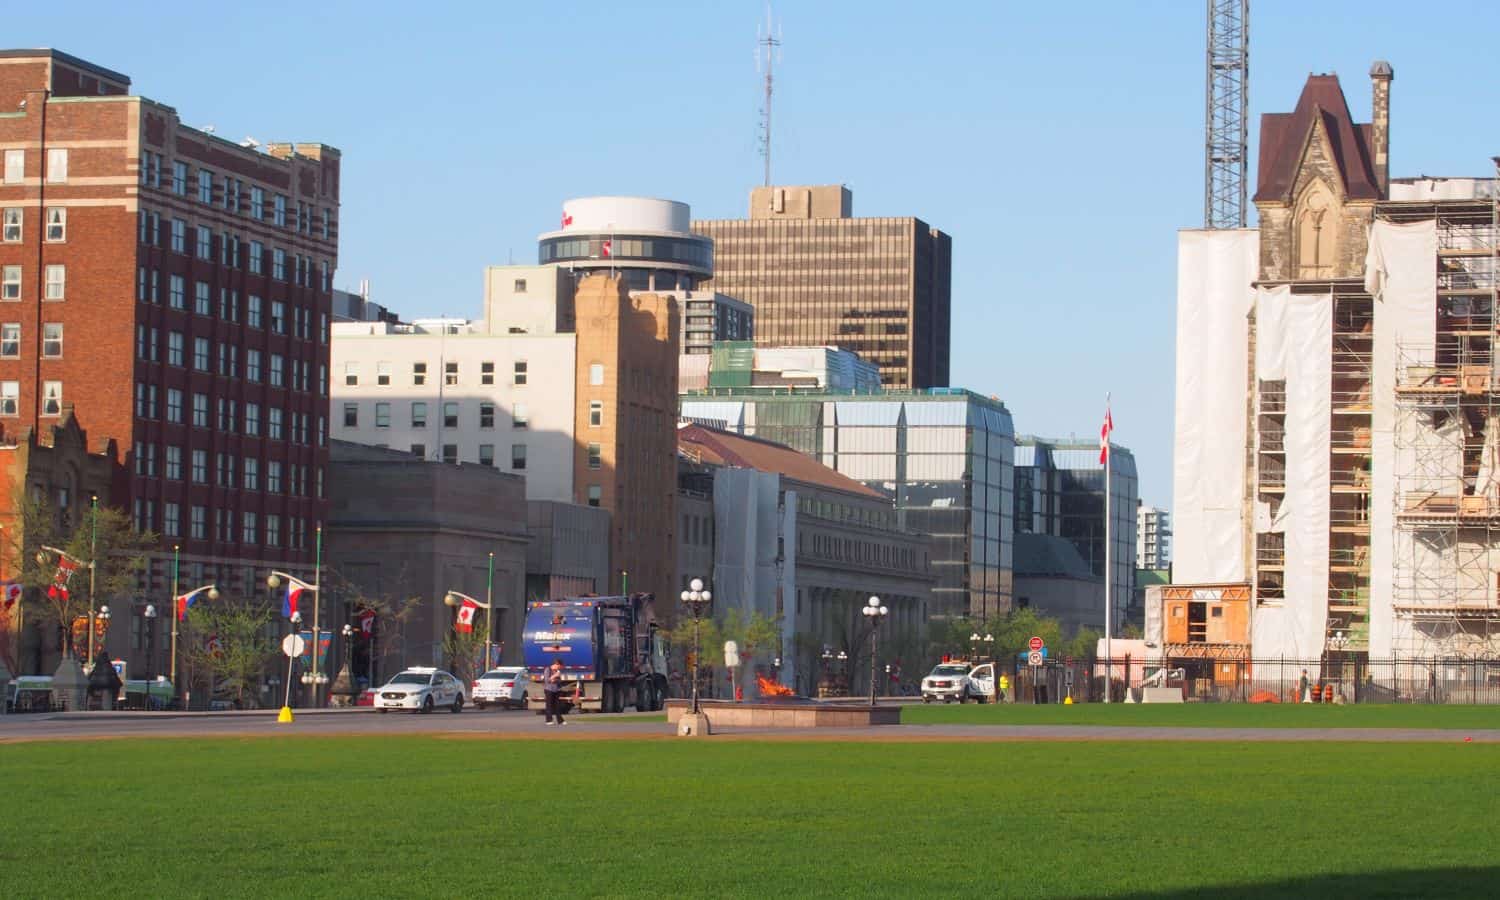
[566, 219]
[1104, 434]
[183, 603]
[58, 590]
[289, 602]
[367, 621]
[12, 593]
[466, 616]
[607, 246]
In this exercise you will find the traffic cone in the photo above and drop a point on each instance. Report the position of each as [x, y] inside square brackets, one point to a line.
[285, 716]
[1068, 700]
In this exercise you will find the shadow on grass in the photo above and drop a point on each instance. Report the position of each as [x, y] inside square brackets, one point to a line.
[1477, 881]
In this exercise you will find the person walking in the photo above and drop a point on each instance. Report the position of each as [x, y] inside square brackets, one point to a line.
[1304, 688]
[552, 691]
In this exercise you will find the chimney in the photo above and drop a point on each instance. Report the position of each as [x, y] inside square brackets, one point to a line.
[1381, 76]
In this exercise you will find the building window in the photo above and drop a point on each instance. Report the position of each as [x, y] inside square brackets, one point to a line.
[252, 366]
[486, 415]
[279, 211]
[518, 416]
[198, 523]
[179, 178]
[257, 258]
[52, 340]
[450, 415]
[273, 530]
[10, 232]
[382, 373]
[200, 410]
[171, 525]
[596, 413]
[251, 468]
[487, 373]
[518, 457]
[595, 457]
[278, 317]
[203, 303]
[278, 264]
[10, 283]
[205, 186]
[273, 423]
[200, 467]
[257, 202]
[351, 415]
[205, 243]
[450, 373]
[52, 398]
[176, 292]
[596, 374]
[15, 166]
[252, 311]
[57, 224]
[596, 493]
[487, 455]
[351, 374]
[251, 533]
[57, 165]
[10, 340]
[10, 398]
[418, 414]
[450, 453]
[200, 354]
[179, 236]
[520, 372]
[520, 286]
[273, 476]
[419, 373]
[278, 378]
[175, 343]
[419, 451]
[57, 279]
[174, 405]
[382, 415]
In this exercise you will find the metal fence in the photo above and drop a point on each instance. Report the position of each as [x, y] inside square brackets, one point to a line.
[1455, 680]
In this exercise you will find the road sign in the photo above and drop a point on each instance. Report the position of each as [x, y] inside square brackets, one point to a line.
[731, 654]
[1036, 643]
[293, 645]
[1034, 658]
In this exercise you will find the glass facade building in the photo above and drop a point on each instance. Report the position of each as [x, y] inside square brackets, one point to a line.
[944, 457]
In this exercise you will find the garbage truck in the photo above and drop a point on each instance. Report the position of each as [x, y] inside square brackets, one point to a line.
[612, 652]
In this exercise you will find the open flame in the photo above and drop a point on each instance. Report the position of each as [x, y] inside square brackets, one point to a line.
[769, 688]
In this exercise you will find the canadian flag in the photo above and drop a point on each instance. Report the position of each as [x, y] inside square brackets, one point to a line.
[12, 593]
[1104, 433]
[607, 247]
[466, 616]
[58, 590]
[367, 621]
[566, 219]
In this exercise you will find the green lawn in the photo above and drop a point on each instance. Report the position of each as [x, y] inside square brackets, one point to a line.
[433, 817]
[1209, 715]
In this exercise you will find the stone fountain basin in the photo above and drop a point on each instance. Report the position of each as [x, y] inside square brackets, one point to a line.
[787, 712]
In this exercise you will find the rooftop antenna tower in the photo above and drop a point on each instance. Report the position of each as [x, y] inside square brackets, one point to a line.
[1227, 114]
[767, 55]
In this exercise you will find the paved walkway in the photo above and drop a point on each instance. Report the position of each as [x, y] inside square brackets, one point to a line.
[515, 724]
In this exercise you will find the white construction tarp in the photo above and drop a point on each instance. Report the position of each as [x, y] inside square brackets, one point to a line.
[1294, 343]
[1215, 271]
[1401, 274]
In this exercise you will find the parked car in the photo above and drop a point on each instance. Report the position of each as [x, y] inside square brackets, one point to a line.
[506, 686]
[421, 689]
[957, 680]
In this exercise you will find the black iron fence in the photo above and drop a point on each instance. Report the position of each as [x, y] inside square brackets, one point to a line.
[1456, 680]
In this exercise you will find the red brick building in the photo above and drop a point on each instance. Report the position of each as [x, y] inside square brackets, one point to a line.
[174, 289]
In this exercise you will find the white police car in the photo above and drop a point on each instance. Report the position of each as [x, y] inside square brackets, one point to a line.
[505, 686]
[421, 689]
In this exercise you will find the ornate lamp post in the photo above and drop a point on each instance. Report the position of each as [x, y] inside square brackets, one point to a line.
[150, 614]
[180, 604]
[876, 614]
[974, 640]
[696, 599]
[274, 581]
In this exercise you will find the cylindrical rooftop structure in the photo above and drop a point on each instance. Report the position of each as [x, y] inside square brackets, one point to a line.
[647, 240]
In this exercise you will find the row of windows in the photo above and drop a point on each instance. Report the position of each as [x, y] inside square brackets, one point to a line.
[519, 417]
[520, 373]
[271, 368]
[227, 416]
[247, 528]
[246, 474]
[52, 340]
[864, 552]
[258, 314]
[54, 285]
[10, 398]
[13, 224]
[57, 166]
[231, 196]
[232, 251]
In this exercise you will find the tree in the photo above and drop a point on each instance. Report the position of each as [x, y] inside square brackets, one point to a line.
[233, 642]
[393, 610]
[100, 535]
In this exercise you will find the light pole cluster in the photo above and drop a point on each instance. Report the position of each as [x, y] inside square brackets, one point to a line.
[696, 599]
[876, 613]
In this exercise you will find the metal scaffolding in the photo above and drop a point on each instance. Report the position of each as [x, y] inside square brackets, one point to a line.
[1447, 440]
[1227, 119]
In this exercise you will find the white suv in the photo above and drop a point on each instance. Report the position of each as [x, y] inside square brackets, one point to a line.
[957, 681]
[503, 687]
[421, 689]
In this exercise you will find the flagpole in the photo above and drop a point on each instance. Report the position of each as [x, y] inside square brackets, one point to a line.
[93, 560]
[1109, 464]
[317, 607]
[489, 612]
[175, 549]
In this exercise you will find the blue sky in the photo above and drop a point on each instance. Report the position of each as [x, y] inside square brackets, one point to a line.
[1060, 144]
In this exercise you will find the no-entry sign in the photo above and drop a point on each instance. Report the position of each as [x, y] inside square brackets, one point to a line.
[1034, 658]
[1036, 643]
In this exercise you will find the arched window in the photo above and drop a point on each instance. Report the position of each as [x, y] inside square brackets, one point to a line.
[1317, 224]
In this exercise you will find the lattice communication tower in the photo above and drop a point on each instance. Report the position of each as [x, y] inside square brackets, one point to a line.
[1227, 114]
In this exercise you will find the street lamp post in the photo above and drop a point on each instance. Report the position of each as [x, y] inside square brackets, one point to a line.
[150, 615]
[296, 620]
[696, 599]
[876, 614]
[456, 599]
[180, 603]
[843, 685]
[273, 581]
